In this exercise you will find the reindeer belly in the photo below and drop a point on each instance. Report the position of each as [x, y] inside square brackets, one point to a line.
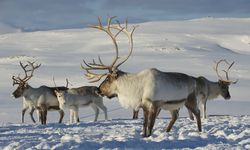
[170, 93]
[85, 103]
[78, 100]
[46, 99]
[52, 101]
[172, 105]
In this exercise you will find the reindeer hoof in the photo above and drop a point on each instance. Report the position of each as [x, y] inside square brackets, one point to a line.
[146, 135]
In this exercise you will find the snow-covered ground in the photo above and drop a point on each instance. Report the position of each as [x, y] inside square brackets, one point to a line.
[219, 132]
[54, 35]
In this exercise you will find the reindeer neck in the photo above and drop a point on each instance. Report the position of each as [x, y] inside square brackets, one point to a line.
[30, 92]
[129, 89]
[213, 89]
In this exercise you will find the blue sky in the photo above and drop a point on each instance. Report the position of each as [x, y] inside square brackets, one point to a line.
[30, 15]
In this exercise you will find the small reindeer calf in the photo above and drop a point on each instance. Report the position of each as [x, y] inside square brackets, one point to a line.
[79, 97]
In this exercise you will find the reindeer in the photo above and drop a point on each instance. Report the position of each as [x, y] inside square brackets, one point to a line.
[150, 89]
[208, 90]
[42, 98]
[81, 97]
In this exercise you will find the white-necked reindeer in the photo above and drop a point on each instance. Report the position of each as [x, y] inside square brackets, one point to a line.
[81, 97]
[149, 89]
[42, 98]
[208, 90]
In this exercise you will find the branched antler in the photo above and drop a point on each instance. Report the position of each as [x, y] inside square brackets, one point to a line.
[67, 83]
[110, 30]
[28, 73]
[225, 71]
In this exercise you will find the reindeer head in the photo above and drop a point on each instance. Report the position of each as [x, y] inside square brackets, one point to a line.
[29, 69]
[60, 94]
[61, 98]
[108, 86]
[224, 83]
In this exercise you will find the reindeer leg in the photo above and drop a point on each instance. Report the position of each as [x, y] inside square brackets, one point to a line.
[71, 115]
[42, 116]
[205, 110]
[197, 116]
[76, 115]
[61, 112]
[103, 108]
[153, 111]
[135, 114]
[31, 115]
[45, 115]
[23, 112]
[192, 105]
[191, 116]
[74, 112]
[96, 111]
[145, 123]
[158, 111]
[174, 114]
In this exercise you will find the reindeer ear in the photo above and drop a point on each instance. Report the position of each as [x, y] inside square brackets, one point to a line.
[56, 92]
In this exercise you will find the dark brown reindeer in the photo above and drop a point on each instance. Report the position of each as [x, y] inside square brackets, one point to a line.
[42, 98]
[149, 89]
[208, 90]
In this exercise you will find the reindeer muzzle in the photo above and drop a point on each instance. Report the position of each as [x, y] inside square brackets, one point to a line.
[228, 97]
[98, 92]
[111, 96]
[14, 95]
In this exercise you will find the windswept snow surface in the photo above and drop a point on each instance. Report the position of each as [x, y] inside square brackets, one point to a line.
[189, 46]
[219, 132]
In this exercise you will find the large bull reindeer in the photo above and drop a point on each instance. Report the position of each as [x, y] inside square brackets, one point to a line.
[150, 89]
[42, 98]
[208, 90]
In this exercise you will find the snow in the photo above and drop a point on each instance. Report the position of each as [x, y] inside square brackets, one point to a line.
[189, 46]
[218, 132]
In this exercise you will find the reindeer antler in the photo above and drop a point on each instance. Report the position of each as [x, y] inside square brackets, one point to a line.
[109, 29]
[33, 67]
[225, 71]
[67, 83]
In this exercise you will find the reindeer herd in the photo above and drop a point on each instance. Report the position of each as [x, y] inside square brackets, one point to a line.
[150, 89]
